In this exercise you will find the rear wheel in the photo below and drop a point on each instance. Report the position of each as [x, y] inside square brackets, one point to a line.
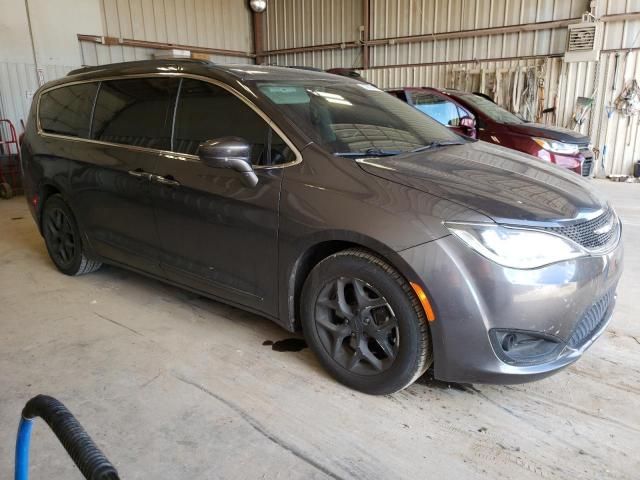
[63, 239]
[364, 322]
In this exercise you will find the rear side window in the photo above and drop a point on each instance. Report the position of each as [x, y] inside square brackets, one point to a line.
[398, 94]
[207, 112]
[67, 110]
[137, 111]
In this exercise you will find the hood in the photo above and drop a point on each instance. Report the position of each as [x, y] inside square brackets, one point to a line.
[505, 185]
[547, 131]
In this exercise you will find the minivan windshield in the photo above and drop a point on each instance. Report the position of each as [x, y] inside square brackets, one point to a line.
[491, 110]
[355, 119]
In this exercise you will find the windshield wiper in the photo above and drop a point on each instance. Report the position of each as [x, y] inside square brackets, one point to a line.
[369, 152]
[435, 144]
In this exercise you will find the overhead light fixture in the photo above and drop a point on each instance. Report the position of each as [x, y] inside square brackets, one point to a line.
[258, 6]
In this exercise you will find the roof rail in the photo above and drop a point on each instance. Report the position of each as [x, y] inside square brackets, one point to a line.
[163, 61]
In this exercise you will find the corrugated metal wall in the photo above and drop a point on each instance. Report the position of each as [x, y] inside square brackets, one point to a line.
[300, 23]
[220, 24]
[617, 136]
[423, 17]
[206, 23]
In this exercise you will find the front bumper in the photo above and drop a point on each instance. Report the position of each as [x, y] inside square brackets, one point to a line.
[473, 295]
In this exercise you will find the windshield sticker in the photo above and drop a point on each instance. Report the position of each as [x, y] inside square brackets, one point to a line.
[369, 87]
[285, 94]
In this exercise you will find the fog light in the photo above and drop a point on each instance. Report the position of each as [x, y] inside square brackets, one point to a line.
[509, 341]
[518, 347]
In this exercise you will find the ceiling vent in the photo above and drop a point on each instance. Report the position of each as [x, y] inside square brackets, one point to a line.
[584, 40]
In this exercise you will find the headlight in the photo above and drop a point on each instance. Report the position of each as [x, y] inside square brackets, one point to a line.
[557, 147]
[516, 247]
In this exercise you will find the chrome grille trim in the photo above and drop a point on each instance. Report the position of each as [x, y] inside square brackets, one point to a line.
[586, 233]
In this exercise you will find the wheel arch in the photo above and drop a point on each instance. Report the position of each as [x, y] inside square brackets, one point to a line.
[50, 188]
[45, 191]
[316, 249]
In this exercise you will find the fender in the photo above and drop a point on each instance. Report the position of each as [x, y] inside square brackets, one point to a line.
[298, 258]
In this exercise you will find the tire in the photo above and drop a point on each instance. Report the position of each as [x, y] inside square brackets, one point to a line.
[63, 238]
[372, 337]
[6, 191]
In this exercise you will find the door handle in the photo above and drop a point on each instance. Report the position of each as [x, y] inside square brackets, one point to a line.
[140, 174]
[168, 180]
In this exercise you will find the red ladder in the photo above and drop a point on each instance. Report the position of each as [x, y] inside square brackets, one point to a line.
[9, 161]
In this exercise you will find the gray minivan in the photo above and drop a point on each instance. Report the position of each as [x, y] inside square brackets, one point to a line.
[329, 206]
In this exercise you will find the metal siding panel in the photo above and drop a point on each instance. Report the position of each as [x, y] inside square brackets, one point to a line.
[348, 57]
[110, 17]
[160, 20]
[211, 24]
[292, 23]
[10, 93]
[138, 31]
[205, 23]
[201, 23]
[88, 53]
[171, 21]
[191, 21]
[125, 21]
[148, 20]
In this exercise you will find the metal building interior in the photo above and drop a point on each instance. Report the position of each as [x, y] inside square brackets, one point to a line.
[174, 385]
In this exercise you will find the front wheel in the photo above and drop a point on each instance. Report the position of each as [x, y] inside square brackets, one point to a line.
[63, 239]
[364, 322]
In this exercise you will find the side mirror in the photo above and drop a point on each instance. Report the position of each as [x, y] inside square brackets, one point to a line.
[468, 126]
[229, 152]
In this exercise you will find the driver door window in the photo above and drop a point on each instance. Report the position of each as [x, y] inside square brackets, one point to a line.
[206, 112]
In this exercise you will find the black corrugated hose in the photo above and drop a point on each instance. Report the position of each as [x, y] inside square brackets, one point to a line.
[76, 441]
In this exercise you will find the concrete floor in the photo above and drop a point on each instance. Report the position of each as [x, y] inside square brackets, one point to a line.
[174, 386]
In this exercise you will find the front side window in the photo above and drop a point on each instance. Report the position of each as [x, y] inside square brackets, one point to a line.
[67, 110]
[136, 111]
[439, 108]
[207, 112]
[354, 118]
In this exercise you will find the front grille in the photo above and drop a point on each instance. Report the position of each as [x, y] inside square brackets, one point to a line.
[587, 166]
[584, 233]
[591, 321]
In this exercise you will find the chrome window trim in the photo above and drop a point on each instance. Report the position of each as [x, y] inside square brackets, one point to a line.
[170, 153]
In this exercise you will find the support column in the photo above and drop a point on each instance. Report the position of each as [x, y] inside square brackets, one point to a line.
[258, 36]
[365, 34]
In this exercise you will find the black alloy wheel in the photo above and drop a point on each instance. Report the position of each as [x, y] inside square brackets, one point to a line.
[364, 322]
[357, 326]
[63, 238]
[60, 236]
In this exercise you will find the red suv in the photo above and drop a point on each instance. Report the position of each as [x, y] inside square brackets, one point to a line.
[476, 116]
